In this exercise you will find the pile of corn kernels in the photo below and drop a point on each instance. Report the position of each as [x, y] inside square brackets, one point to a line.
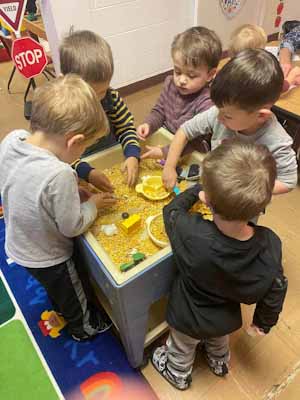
[121, 246]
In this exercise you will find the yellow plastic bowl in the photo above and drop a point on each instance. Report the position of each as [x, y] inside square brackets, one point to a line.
[149, 222]
[152, 188]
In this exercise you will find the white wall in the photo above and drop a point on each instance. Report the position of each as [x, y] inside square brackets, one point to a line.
[140, 32]
[291, 10]
[211, 15]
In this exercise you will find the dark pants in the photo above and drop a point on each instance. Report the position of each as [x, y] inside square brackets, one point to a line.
[68, 296]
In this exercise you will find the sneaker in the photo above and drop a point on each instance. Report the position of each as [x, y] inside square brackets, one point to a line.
[101, 324]
[160, 363]
[104, 323]
[219, 368]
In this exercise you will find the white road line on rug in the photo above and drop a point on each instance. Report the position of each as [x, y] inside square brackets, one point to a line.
[19, 315]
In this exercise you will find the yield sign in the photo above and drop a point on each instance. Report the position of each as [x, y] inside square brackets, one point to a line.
[12, 13]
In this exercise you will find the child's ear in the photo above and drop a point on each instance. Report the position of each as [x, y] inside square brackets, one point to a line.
[264, 114]
[74, 140]
[211, 74]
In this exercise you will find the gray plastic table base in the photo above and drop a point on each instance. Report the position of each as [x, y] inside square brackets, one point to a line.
[130, 301]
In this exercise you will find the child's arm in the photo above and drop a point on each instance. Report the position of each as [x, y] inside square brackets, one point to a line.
[93, 176]
[269, 307]
[61, 199]
[288, 47]
[286, 164]
[180, 205]
[169, 173]
[281, 188]
[200, 125]
[122, 121]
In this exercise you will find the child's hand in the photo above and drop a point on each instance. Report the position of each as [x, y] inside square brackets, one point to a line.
[293, 77]
[102, 200]
[100, 181]
[169, 177]
[153, 152]
[84, 194]
[254, 330]
[143, 131]
[131, 168]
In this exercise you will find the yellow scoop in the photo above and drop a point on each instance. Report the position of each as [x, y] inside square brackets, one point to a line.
[152, 188]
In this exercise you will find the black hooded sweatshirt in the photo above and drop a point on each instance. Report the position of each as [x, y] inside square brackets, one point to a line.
[216, 273]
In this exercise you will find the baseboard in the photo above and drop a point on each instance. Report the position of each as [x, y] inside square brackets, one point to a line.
[144, 84]
[156, 79]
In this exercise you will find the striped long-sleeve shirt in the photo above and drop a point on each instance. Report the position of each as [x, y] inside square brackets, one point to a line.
[173, 109]
[121, 126]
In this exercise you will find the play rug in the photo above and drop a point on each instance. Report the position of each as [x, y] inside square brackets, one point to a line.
[35, 366]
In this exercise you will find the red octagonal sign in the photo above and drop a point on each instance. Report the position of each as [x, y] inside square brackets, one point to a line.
[29, 56]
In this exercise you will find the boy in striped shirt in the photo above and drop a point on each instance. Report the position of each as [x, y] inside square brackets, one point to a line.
[88, 55]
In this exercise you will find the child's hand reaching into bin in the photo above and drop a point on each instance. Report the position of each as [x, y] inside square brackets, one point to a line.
[131, 168]
[102, 200]
[154, 152]
[100, 181]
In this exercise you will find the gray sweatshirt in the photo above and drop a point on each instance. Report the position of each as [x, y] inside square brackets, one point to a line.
[271, 134]
[40, 198]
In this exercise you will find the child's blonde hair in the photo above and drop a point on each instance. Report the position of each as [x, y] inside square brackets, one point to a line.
[238, 179]
[247, 36]
[67, 105]
[88, 55]
[198, 46]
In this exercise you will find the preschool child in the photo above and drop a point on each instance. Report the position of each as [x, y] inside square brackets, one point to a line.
[221, 263]
[289, 45]
[87, 54]
[196, 53]
[40, 196]
[247, 36]
[243, 92]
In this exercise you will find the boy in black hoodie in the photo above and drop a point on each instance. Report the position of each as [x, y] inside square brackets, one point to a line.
[221, 263]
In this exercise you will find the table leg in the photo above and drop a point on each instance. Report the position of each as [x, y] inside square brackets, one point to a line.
[132, 331]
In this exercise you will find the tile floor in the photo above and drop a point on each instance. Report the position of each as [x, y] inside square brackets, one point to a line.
[261, 368]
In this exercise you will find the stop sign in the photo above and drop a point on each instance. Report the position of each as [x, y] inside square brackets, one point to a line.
[29, 56]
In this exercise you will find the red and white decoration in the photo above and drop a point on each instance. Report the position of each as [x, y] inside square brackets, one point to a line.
[278, 18]
[231, 7]
[29, 57]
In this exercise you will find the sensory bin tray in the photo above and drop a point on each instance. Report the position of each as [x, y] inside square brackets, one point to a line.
[115, 250]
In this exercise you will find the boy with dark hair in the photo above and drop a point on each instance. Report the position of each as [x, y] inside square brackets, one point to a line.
[196, 53]
[88, 55]
[243, 92]
[41, 201]
[221, 263]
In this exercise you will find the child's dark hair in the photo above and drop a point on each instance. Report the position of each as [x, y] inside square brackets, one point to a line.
[238, 179]
[88, 55]
[198, 46]
[250, 80]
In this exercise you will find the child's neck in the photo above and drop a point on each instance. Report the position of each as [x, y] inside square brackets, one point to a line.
[239, 230]
[39, 139]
